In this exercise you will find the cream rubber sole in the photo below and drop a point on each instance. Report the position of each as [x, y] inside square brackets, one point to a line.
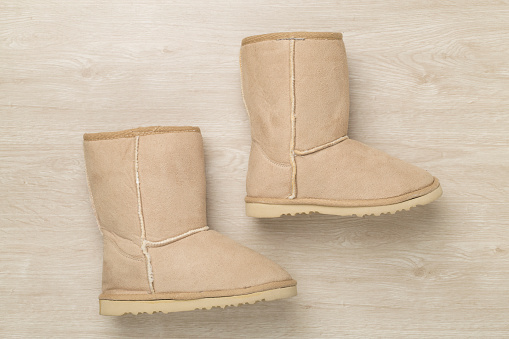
[259, 210]
[120, 307]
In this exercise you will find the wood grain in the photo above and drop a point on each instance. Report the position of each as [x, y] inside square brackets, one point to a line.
[429, 84]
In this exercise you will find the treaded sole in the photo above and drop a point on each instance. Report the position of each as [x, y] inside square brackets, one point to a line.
[120, 307]
[259, 210]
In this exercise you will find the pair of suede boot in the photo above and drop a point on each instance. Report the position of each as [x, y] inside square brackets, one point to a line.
[148, 184]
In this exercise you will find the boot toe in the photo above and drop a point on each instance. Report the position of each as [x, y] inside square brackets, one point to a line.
[209, 261]
[355, 171]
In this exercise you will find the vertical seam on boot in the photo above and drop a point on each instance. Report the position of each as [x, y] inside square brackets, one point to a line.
[293, 120]
[144, 249]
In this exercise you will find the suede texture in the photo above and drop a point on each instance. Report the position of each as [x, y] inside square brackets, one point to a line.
[148, 190]
[172, 184]
[355, 171]
[297, 94]
[209, 261]
[321, 91]
[111, 178]
[266, 177]
[122, 272]
[265, 86]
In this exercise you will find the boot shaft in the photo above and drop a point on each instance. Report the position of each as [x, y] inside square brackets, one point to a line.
[148, 182]
[295, 87]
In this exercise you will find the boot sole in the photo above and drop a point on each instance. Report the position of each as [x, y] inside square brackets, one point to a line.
[263, 210]
[120, 307]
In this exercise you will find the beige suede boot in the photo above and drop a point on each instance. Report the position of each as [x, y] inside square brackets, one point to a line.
[295, 87]
[148, 190]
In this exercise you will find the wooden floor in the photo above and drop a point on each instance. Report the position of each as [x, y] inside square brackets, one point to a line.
[429, 84]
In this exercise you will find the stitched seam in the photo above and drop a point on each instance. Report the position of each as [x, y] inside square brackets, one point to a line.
[150, 275]
[321, 147]
[307, 200]
[242, 86]
[139, 134]
[280, 164]
[165, 242]
[289, 35]
[282, 39]
[121, 251]
[167, 295]
[293, 120]
[139, 131]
